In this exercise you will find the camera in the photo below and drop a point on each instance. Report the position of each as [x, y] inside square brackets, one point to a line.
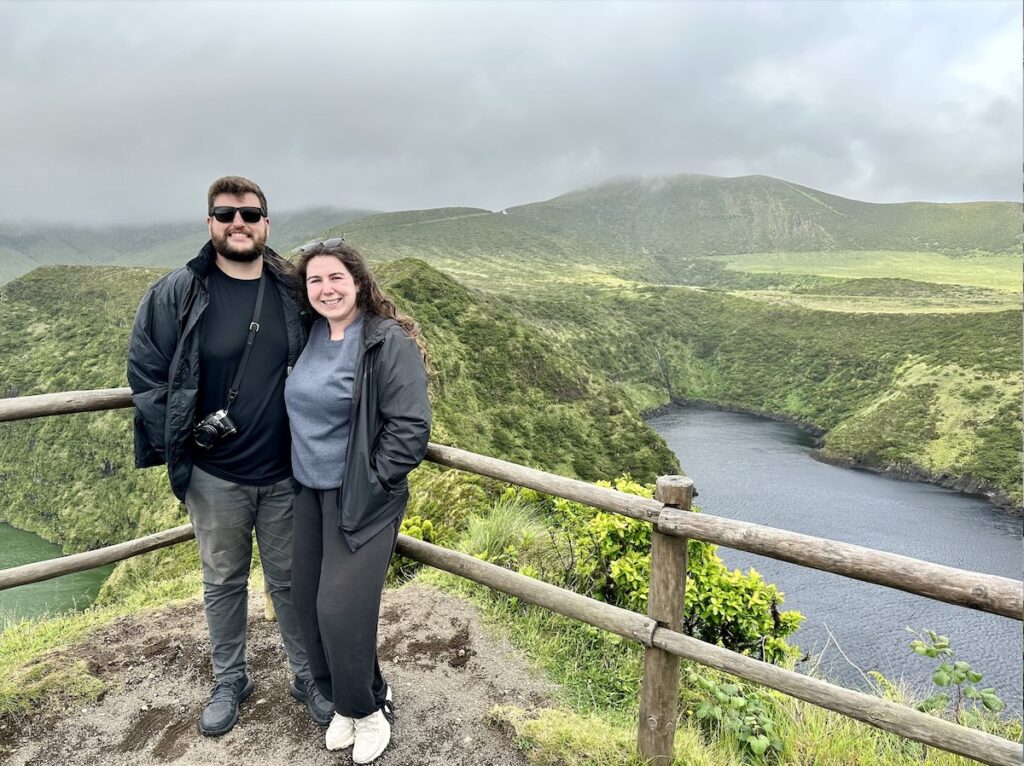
[212, 429]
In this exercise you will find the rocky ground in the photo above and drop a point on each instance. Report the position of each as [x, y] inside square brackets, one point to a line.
[445, 669]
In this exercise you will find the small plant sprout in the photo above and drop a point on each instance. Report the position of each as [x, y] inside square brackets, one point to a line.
[956, 679]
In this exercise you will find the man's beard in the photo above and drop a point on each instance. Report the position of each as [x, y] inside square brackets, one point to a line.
[223, 248]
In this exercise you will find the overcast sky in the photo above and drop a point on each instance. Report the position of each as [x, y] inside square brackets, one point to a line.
[125, 111]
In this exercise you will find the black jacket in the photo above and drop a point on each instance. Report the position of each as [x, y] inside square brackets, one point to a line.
[389, 430]
[163, 360]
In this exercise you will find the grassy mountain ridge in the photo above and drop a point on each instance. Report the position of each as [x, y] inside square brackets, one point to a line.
[668, 230]
[707, 215]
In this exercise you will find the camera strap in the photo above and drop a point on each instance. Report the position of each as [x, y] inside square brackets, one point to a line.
[254, 327]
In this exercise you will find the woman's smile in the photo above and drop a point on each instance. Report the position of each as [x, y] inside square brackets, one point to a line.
[332, 292]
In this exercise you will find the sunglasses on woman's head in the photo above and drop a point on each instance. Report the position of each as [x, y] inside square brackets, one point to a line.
[326, 244]
[227, 214]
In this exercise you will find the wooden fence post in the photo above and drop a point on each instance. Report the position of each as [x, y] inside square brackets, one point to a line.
[659, 698]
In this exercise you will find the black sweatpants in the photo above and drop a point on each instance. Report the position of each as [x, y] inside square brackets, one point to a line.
[336, 594]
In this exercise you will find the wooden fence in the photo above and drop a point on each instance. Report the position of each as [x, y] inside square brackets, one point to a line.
[660, 630]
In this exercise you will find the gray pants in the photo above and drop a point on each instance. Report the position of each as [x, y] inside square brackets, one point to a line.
[224, 515]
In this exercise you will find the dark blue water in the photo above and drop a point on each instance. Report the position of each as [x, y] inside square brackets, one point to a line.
[73, 591]
[758, 470]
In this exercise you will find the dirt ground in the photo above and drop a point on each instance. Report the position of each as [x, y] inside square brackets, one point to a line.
[445, 670]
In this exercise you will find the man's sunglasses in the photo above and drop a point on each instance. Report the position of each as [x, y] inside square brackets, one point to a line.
[227, 214]
[326, 244]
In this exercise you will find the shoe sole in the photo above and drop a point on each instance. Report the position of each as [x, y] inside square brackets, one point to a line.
[246, 691]
[302, 697]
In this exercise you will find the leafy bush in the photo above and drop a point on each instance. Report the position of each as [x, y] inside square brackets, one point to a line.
[448, 498]
[402, 567]
[607, 556]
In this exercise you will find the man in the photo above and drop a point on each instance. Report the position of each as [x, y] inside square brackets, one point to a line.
[185, 354]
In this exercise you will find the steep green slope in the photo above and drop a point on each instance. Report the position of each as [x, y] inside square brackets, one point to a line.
[931, 394]
[71, 478]
[502, 388]
[507, 389]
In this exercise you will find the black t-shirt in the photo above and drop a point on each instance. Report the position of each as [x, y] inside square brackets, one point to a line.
[259, 453]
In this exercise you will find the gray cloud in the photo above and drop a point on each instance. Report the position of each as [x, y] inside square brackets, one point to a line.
[128, 110]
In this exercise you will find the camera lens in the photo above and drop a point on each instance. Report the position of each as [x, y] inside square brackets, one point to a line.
[204, 436]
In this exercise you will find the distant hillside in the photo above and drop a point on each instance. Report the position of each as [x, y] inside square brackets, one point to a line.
[25, 247]
[13, 264]
[706, 215]
[667, 230]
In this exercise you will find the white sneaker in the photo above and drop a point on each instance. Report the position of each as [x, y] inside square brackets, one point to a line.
[342, 731]
[373, 733]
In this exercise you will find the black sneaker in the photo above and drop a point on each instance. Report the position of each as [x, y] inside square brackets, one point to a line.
[305, 690]
[221, 712]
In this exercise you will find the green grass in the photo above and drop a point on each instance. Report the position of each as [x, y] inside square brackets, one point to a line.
[995, 272]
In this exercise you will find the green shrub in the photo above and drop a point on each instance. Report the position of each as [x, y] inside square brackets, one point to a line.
[607, 556]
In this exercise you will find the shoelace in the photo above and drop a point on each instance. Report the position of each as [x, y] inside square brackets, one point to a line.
[225, 689]
[389, 711]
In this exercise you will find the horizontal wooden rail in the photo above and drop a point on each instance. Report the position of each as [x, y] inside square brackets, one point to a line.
[79, 562]
[64, 403]
[875, 711]
[974, 590]
[984, 592]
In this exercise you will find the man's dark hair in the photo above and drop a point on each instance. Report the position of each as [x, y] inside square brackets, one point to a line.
[235, 185]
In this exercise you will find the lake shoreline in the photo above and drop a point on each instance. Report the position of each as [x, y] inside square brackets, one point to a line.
[904, 471]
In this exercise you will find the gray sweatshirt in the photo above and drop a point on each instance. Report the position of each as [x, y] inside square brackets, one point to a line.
[318, 395]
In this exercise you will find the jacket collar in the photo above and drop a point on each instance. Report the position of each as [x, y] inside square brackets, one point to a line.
[204, 263]
[374, 329]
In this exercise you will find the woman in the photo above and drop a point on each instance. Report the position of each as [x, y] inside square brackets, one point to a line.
[360, 420]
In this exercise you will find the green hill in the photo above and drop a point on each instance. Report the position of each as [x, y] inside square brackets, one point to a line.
[664, 230]
[692, 215]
